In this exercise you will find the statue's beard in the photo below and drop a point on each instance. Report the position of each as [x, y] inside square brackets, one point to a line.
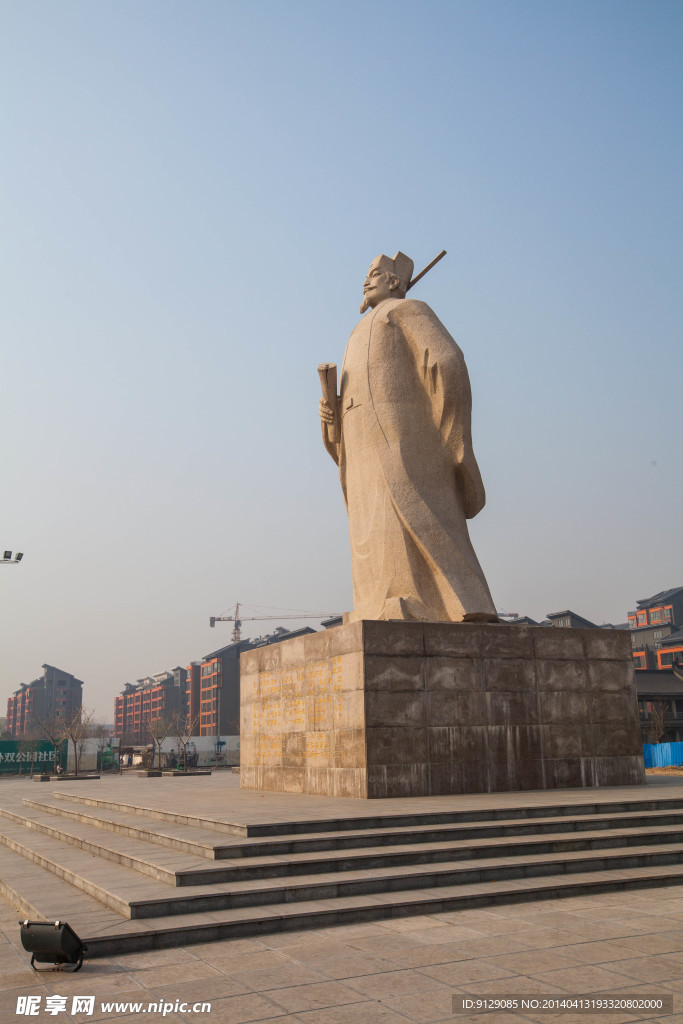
[365, 305]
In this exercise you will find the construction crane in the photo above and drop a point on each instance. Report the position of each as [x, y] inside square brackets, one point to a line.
[238, 619]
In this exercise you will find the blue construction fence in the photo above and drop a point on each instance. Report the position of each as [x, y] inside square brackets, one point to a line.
[660, 755]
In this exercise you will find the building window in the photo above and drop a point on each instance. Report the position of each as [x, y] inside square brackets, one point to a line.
[656, 616]
[666, 615]
[666, 659]
[642, 618]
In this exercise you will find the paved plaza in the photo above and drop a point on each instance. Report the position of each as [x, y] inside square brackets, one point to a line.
[403, 969]
[391, 972]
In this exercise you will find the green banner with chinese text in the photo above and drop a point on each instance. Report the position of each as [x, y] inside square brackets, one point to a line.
[30, 756]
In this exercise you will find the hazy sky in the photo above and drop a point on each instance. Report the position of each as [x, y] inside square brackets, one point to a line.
[191, 195]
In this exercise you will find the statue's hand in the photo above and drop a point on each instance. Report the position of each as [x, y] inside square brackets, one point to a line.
[326, 412]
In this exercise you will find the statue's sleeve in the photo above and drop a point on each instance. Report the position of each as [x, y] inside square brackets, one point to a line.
[332, 447]
[440, 366]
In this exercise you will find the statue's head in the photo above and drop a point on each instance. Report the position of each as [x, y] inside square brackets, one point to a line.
[387, 278]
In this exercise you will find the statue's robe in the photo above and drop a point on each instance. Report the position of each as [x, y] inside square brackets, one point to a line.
[408, 472]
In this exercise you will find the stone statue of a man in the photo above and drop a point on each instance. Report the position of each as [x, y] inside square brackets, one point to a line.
[400, 432]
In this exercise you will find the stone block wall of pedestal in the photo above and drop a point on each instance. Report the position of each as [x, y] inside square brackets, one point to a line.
[391, 709]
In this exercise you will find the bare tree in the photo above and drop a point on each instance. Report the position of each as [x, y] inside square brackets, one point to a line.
[75, 730]
[654, 720]
[158, 729]
[27, 747]
[53, 731]
[184, 731]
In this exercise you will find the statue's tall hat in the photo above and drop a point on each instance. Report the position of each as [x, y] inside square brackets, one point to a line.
[400, 265]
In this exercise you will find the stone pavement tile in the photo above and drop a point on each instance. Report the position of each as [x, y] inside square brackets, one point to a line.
[592, 930]
[314, 997]
[490, 945]
[282, 1018]
[103, 986]
[494, 924]
[583, 979]
[676, 957]
[639, 922]
[352, 1013]
[420, 922]
[466, 971]
[672, 985]
[250, 961]
[532, 961]
[392, 983]
[8, 999]
[309, 952]
[675, 917]
[9, 954]
[238, 1011]
[356, 931]
[356, 966]
[427, 955]
[594, 952]
[281, 939]
[587, 929]
[277, 977]
[520, 985]
[669, 942]
[23, 978]
[196, 991]
[672, 905]
[383, 946]
[228, 947]
[447, 933]
[154, 957]
[543, 938]
[487, 1018]
[429, 1005]
[155, 977]
[651, 969]
[133, 1018]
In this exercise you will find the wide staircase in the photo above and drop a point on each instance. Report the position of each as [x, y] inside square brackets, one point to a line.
[133, 877]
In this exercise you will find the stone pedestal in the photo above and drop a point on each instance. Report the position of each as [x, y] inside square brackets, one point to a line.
[398, 709]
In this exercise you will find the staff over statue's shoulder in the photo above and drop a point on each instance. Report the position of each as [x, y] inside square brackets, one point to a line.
[400, 432]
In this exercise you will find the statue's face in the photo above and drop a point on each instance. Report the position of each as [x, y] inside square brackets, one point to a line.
[379, 284]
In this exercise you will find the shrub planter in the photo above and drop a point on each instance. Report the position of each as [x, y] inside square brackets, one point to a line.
[64, 778]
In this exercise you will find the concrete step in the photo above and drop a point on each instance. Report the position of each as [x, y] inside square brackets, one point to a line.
[125, 891]
[149, 830]
[39, 895]
[177, 869]
[350, 824]
[128, 876]
[140, 856]
[189, 838]
[108, 934]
